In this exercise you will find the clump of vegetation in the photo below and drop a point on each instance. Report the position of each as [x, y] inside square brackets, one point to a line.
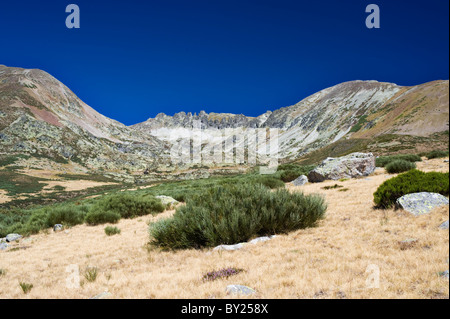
[231, 214]
[69, 215]
[221, 274]
[332, 187]
[382, 161]
[2, 272]
[362, 121]
[98, 217]
[343, 190]
[110, 231]
[128, 205]
[26, 287]
[436, 154]
[289, 172]
[91, 274]
[399, 166]
[413, 181]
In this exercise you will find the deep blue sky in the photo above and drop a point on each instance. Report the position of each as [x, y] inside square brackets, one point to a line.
[132, 59]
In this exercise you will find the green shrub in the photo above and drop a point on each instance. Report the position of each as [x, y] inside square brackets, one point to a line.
[436, 154]
[413, 181]
[69, 215]
[98, 217]
[399, 166]
[129, 205]
[112, 231]
[332, 187]
[236, 213]
[289, 172]
[382, 161]
[37, 221]
[270, 182]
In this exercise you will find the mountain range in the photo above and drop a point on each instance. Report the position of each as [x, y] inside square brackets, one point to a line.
[40, 116]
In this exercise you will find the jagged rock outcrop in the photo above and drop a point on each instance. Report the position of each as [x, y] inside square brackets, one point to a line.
[351, 109]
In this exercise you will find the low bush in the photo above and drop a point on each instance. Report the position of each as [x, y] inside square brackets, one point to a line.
[98, 217]
[399, 166]
[382, 161]
[231, 214]
[413, 181]
[269, 181]
[436, 154]
[109, 231]
[289, 172]
[128, 205]
[69, 215]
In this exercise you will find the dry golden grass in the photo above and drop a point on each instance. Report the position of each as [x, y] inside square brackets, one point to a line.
[4, 197]
[73, 185]
[329, 261]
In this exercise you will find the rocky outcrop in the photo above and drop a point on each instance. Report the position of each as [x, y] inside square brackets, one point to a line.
[421, 203]
[350, 166]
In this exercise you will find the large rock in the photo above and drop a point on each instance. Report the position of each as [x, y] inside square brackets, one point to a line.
[12, 237]
[302, 180]
[350, 166]
[167, 200]
[421, 203]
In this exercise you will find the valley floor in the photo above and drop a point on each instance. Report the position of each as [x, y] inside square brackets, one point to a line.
[337, 259]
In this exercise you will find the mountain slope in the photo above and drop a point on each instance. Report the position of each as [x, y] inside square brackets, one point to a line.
[39, 115]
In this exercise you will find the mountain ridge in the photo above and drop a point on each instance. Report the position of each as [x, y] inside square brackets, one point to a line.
[40, 115]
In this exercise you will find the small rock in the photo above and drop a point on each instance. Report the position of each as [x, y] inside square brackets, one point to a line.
[57, 227]
[421, 203]
[444, 274]
[239, 290]
[3, 246]
[444, 225]
[302, 180]
[103, 295]
[229, 247]
[445, 161]
[12, 237]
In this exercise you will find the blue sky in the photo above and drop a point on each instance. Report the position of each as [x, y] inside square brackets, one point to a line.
[131, 60]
